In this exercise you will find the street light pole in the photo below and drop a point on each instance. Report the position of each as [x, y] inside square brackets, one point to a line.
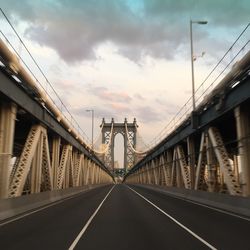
[192, 63]
[192, 58]
[92, 134]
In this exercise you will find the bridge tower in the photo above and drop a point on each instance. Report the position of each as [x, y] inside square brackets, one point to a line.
[129, 136]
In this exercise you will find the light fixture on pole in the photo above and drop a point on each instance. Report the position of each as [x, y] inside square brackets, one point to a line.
[192, 58]
[92, 134]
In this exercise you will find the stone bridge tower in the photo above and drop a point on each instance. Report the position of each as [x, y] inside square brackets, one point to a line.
[129, 140]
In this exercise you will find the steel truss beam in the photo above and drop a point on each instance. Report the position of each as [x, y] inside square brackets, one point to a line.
[223, 159]
[200, 170]
[35, 150]
[212, 154]
[64, 167]
[234, 98]
[185, 171]
[56, 143]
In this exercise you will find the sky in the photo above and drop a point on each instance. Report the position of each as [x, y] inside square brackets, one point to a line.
[124, 58]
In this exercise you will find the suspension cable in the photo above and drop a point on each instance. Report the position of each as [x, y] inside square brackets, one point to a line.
[131, 146]
[106, 145]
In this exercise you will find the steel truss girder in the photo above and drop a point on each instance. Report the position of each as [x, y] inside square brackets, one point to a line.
[64, 167]
[162, 170]
[87, 172]
[173, 172]
[212, 153]
[200, 170]
[56, 143]
[169, 159]
[46, 166]
[184, 168]
[36, 170]
[223, 159]
[212, 182]
[77, 159]
[154, 172]
[37, 134]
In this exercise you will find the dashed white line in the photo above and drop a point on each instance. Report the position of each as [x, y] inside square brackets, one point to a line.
[176, 221]
[89, 221]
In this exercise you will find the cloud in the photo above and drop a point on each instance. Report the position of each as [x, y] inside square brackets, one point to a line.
[111, 96]
[147, 114]
[120, 108]
[99, 112]
[138, 28]
[114, 110]
[66, 84]
[165, 103]
[139, 97]
[223, 12]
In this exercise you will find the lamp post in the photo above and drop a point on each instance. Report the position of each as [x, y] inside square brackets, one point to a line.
[92, 134]
[192, 58]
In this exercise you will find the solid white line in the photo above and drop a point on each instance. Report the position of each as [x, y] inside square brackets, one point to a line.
[213, 208]
[206, 206]
[42, 208]
[174, 220]
[89, 221]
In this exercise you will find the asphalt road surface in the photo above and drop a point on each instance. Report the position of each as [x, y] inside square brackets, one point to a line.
[126, 217]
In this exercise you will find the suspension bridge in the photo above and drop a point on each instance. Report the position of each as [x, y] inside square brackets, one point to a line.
[187, 189]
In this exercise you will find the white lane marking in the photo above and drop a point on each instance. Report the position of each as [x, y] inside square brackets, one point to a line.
[174, 220]
[88, 222]
[42, 208]
[213, 208]
[203, 205]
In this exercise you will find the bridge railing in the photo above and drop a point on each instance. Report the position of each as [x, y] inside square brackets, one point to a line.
[236, 51]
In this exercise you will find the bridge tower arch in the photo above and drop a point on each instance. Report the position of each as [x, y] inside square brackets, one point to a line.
[129, 136]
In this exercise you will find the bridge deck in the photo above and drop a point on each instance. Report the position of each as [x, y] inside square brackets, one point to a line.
[125, 220]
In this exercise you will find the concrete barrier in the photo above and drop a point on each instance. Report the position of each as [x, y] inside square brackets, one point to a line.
[15, 206]
[234, 204]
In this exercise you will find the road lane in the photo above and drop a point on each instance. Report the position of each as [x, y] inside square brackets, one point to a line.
[175, 220]
[52, 228]
[128, 222]
[75, 242]
[121, 220]
[223, 231]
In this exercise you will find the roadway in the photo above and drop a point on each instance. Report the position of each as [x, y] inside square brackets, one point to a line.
[125, 217]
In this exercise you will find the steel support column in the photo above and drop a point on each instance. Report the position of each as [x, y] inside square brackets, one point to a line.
[86, 171]
[55, 158]
[211, 166]
[125, 151]
[7, 128]
[169, 163]
[191, 159]
[36, 169]
[243, 136]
